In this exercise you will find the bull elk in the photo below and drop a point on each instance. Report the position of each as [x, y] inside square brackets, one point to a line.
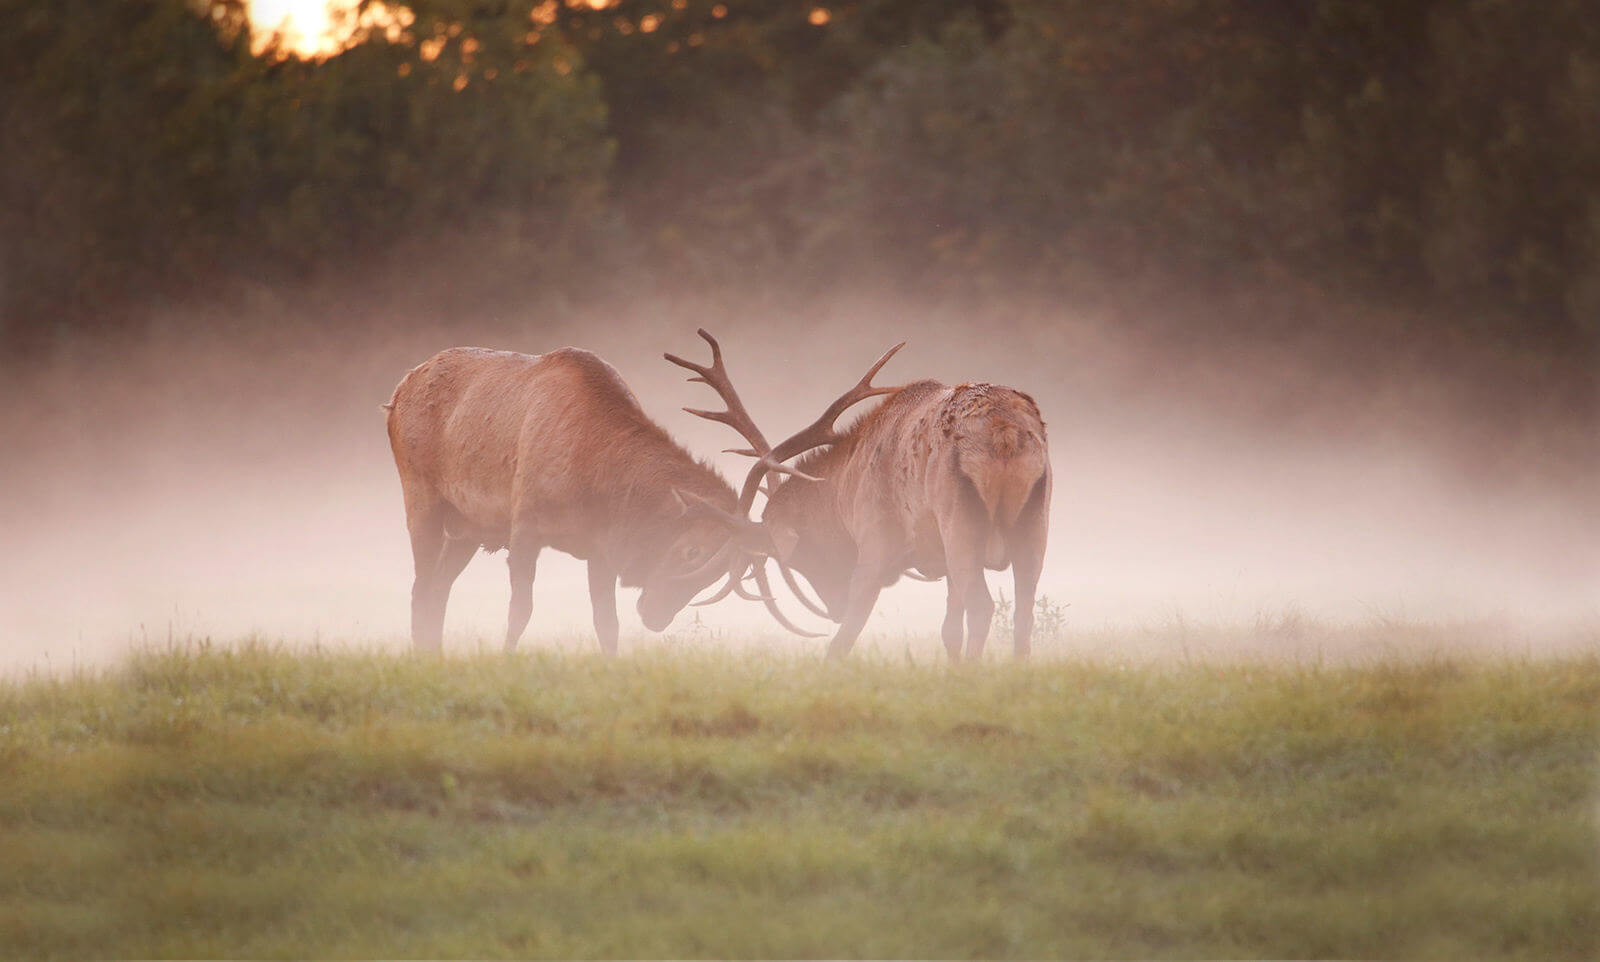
[942, 481]
[503, 450]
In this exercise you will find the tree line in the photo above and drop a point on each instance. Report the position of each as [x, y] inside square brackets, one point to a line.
[1440, 154]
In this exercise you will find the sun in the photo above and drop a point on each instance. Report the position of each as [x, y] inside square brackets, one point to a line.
[307, 26]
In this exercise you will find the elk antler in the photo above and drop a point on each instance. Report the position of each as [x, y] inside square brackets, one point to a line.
[772, 605]
[771, 459]
[794, 586]
[820, 431]
[815, 435]
[736, 417]
[695, 506]
[735, 585]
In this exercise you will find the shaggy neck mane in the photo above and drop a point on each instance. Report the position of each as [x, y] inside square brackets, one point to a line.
[824, 462]
[821, 462]
[656, 464]
[816, 461]
[821, 459]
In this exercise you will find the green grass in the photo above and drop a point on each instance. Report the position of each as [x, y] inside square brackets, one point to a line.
[266, 803]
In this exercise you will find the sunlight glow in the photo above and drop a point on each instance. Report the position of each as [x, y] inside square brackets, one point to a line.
[321, 28]
[306, 27]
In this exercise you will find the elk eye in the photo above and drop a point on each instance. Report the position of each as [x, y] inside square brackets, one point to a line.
[691, 554]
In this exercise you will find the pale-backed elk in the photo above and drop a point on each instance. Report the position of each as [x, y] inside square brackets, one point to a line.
[503, 450]
[943, 481]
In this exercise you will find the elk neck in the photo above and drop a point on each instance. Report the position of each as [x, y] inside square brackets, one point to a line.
[643, 514]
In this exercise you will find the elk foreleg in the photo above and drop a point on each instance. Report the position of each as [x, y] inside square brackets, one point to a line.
[523, 561]
[603, 596]
[866, 581]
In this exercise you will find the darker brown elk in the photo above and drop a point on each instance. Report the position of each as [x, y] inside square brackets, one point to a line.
[942, 481]
[503, 450]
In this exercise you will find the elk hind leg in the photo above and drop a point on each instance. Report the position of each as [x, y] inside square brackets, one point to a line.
[980, 613]
[966, 600]
[425, 525]
[954, 609]
[1027, 562]
[453, 556]
[963, 543]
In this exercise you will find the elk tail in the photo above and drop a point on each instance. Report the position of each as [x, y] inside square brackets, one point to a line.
[1003, 463]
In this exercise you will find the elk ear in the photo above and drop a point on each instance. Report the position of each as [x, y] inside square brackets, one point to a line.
[784, 540]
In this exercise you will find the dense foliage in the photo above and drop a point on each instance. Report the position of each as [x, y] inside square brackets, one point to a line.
[1438, 154]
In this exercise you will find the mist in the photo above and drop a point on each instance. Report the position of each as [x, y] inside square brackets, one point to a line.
[183, 486]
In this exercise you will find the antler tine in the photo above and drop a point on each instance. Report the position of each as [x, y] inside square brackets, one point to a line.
[742, 592]
[716, 376]
[821, 431]
[716, 349]
[722, 592]
[704, 372]
[772, 604]
[766, 462]
[740, 573]
[866, 379]
[772, 465]
[726, 417]
[818, 432]
[737, 573]
[736, 416]
[794, 586]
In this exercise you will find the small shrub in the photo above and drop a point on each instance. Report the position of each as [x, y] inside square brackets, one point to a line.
[1049, 619]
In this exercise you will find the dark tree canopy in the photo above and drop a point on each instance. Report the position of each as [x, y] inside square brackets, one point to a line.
[1438, 154]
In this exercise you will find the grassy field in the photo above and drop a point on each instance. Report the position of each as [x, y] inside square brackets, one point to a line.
[259, 802]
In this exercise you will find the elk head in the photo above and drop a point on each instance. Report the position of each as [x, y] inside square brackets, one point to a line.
[700, 545]
[775, 538]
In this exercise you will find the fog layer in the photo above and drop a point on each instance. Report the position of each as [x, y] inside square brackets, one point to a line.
[229, 487]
